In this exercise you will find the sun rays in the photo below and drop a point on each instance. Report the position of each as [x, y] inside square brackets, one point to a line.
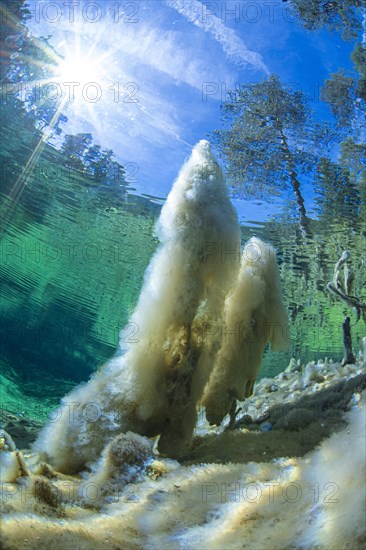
[70, 82]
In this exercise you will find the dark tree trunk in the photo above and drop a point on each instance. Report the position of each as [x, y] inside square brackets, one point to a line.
[348, 358]
[296, 186]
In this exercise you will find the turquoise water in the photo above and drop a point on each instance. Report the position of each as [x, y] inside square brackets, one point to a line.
[73, 259]
[75, 246]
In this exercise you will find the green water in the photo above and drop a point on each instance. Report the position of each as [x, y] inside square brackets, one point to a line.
[73, 256]
[74, 250]
[73, 259]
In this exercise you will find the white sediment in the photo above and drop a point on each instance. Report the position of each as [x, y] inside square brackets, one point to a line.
[241, 487]
[288, 475]
[196, 290]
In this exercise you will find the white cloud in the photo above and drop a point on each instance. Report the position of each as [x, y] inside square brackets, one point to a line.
[168, 53]
[232, 45]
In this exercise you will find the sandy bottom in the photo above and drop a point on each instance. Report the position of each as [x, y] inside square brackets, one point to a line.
[289, 474]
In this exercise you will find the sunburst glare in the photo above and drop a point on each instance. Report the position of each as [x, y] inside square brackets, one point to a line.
[83, 74]
[79, 69]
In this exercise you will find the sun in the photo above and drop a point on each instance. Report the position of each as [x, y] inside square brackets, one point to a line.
[83, 79]
[79, 69]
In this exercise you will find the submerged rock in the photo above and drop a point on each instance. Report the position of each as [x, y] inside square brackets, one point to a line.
[265, 426]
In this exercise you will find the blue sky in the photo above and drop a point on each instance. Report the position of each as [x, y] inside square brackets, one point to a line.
[161, 68]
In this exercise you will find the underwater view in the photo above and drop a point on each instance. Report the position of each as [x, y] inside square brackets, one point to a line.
[183, 274]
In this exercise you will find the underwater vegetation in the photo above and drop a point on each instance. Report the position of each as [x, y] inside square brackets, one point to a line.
[268, 481]
[206, 311]
[202, 321]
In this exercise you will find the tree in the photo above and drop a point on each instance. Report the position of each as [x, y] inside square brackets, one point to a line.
[98, 162]
[83, 155]
[28, 65]
[92, 158]
[353, 157]
[358, 57]
[35, 67]
[337, 195]
[340, 15]
[268, 136]
[74, 148]
[340, 92]
[101, 170]
[116, 174]
[13, 16]
[346, 96]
